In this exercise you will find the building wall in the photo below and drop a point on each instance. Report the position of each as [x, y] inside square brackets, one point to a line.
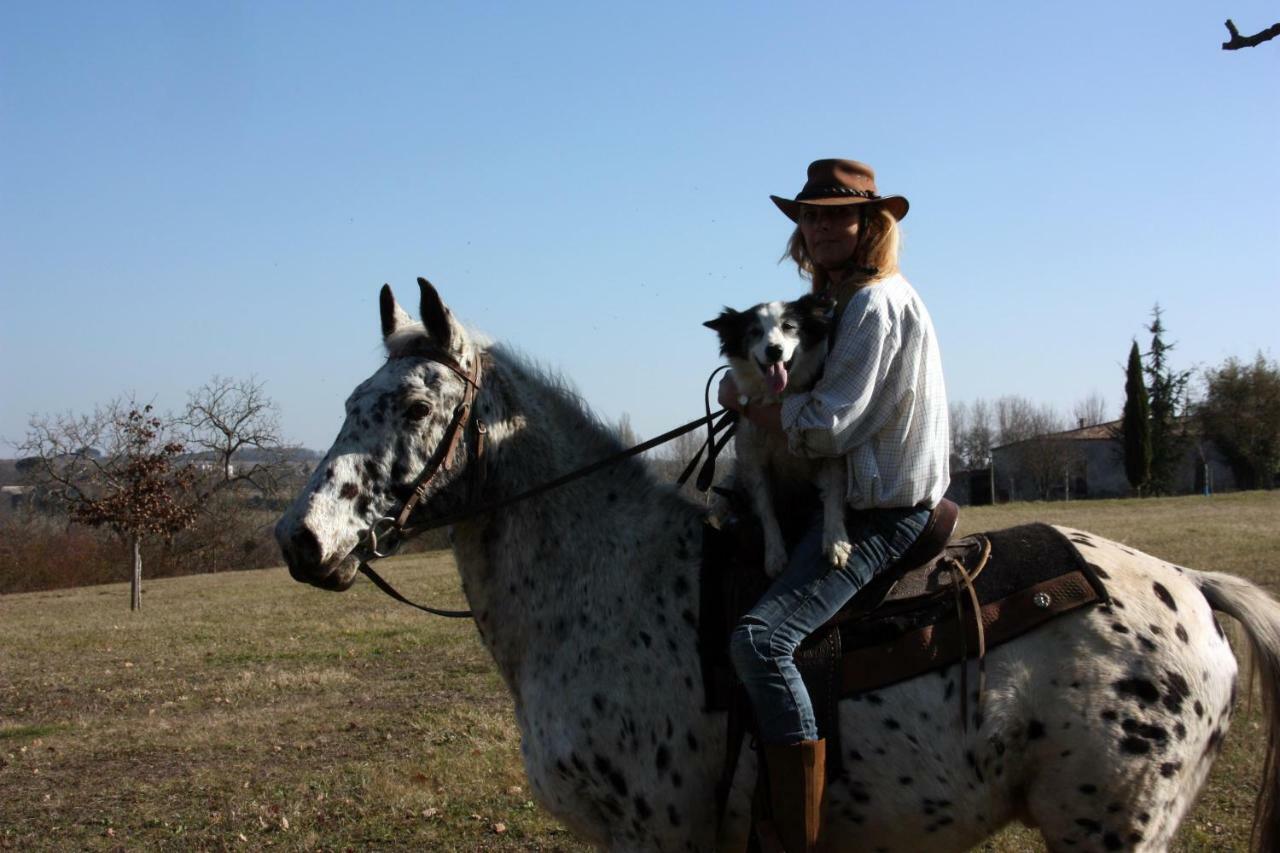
[1098, 472]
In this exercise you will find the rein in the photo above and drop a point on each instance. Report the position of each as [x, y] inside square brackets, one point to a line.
[386, 534]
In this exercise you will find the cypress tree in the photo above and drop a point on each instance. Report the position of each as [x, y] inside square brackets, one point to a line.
[1165, 391]
[1136, 424]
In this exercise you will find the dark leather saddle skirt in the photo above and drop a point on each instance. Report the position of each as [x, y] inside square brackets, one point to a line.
[909, 620]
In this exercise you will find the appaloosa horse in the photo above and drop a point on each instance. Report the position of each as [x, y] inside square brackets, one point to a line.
[1099, 728]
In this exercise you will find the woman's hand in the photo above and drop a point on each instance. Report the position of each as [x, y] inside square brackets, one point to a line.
[727, 395]
[767, 417]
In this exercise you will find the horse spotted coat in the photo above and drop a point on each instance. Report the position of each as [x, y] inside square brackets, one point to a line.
[1099, 728]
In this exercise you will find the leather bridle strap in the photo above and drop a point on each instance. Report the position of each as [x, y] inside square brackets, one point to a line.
[443, 459]
[453, 434]
[381, 584]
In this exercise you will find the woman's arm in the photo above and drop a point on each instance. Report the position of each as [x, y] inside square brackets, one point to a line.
[858, 391]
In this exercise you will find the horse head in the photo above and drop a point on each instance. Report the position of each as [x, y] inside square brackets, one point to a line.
[399, 422]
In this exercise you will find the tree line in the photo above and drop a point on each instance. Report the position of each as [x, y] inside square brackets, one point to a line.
[1167, 411]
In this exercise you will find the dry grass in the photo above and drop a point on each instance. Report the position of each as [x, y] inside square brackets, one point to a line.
[244, 710]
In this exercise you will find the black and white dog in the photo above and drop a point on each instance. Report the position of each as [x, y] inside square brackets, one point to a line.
[777, 348]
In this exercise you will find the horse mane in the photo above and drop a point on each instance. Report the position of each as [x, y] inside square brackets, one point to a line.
[555, 389]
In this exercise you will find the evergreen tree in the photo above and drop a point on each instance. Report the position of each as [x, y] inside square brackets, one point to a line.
[1135, 424]
[1166, 391]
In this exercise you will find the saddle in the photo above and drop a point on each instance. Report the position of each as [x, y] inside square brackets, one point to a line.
[942, 602]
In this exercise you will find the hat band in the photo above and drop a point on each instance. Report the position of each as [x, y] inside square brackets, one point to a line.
[828, 192]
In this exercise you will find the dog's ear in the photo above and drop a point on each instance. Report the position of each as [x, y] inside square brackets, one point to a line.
[724, 322]
[815, 305]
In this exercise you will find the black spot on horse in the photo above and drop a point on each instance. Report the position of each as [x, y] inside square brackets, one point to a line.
[1119, 629]
[1182, 633]
[1088, 790]
[1169, 768]
[348, 491]
[1165, 596]
[673, 816]
[1146, 644]
[1110, 716]
[1088, 825]
[1144, 690]
[891, 724]
[1135, 746]
[1198, 708]
[662, 760]
[1112, 841]
[905, 780]
[642, 807]
[605, 767]
[1176, 690]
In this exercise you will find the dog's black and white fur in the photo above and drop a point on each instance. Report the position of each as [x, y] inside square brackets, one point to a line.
[776, 349]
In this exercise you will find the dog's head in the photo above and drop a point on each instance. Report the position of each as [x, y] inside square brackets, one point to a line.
[775, 346]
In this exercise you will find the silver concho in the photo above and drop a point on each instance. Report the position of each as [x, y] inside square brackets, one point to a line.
[1042, 600]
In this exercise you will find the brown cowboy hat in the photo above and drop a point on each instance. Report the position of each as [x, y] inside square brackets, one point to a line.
[840, 182]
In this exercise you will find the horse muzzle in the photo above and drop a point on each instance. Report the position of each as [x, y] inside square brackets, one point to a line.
[307, 562]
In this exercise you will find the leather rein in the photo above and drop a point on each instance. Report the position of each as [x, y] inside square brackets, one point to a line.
[385, 535]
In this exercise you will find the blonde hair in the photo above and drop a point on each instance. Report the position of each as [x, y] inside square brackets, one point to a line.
[876, 254]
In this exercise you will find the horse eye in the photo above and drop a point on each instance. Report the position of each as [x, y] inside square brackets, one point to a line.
[419, 410]
[788, 327]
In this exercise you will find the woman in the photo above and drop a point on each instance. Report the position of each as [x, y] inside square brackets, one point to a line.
[882, 406]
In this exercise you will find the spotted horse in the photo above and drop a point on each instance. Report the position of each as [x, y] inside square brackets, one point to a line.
[1099, 728]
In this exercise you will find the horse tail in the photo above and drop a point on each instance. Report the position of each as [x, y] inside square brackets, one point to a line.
[1259, 615]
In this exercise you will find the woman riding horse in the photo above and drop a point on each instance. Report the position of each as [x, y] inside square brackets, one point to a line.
[882, 406]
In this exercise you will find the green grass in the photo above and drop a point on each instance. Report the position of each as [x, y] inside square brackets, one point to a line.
[243, 710]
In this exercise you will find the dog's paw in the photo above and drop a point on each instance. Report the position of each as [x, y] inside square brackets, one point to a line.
[838, 551]
[775, 561]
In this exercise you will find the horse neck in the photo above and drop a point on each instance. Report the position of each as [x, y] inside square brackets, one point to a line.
[530, 568]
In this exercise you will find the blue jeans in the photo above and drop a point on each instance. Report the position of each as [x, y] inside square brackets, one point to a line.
[801, 599]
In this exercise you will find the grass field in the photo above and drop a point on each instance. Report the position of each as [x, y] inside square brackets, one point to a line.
[243, 710]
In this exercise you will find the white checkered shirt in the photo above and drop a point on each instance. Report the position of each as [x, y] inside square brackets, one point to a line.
[881, 402]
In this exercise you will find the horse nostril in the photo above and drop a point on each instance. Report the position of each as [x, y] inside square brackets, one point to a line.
[304, 548]
[773, 352]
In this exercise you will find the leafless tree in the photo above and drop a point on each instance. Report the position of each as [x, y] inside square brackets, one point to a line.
[1091, 410]
[1035, 448]
[237, 426]
[1238, 41]
[120, 468]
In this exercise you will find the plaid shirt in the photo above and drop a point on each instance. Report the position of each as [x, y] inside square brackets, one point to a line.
[880, 403]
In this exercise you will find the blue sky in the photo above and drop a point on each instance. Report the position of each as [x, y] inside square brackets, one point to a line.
[220, 188]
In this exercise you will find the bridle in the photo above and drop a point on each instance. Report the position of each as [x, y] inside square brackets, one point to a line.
[396, 527]
[385, 535]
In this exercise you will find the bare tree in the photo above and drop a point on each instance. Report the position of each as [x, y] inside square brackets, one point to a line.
[119, 468]
[1238, 41]
[1091, 410]
[1035, 448]
[237, 426]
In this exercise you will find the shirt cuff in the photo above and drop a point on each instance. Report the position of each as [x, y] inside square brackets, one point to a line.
[790, 414]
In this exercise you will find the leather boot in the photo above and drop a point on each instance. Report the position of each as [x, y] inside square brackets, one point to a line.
[797, 781]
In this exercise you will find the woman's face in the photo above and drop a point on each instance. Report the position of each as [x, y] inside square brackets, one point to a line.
[830, 234]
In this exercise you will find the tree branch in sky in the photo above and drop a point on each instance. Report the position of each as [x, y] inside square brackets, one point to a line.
[1238, 41]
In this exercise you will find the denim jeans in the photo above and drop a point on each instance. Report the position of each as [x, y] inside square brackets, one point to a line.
[801, 599]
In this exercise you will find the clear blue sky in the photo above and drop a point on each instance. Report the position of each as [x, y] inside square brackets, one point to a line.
[198, 188]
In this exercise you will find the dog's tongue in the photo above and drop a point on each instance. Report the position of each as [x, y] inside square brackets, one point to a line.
[776, 376]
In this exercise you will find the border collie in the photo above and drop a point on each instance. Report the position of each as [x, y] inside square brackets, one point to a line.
[778, 348]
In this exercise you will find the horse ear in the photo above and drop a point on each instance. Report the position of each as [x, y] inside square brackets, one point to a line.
[435, 316]
[393, 316]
